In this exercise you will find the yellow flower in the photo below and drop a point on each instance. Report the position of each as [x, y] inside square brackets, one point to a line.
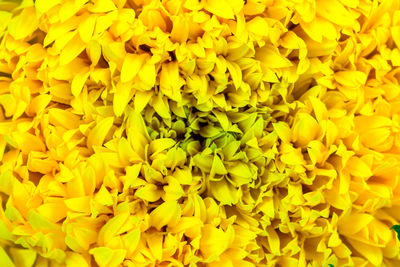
[185, 133]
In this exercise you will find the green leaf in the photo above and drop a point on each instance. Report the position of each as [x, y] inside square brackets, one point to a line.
[397, 229]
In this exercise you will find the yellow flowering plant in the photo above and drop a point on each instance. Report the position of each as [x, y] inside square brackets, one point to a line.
[199, 133]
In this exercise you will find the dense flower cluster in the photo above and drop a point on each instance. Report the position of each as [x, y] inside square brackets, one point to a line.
[199, 133]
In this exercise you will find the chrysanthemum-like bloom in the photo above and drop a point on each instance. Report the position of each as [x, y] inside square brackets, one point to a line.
[199, 133]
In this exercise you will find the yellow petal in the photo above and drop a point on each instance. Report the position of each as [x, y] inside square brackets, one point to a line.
[72, 50]
[224, 192]
[60, 34]
[131, 241]
[102, 255]
[350, 78]
[141, 100]
[316, 151]
[320, 110]
[218, 166]
[41, 165]
[86, 28]
[39, 222]
[79, 204]
[23, 257]
[158, 145]
[149, 192]
[132, 173]
[283, 131]
[305, 129]
[105, 256]
[271, 58]
[220, 8]
[99, 132]
[214, 241]
[104, 197]
[153, 18]
[20, 196]
[354, 223]
[137, 133]
[53, 211]
[184, 176]
[102, 6]
[316, 48]
[122, 96]
[131, 66]
[173, 191]
[147, 76]
[5, 18]
[61, 93]
[335, 12]
[331, 133]
[161, 106]
[155, 243]
[103, 24]
[273, 241]
[24, 24]
[93, 50]
[371, 253]
[113, 227]
[364, 123]
[75, 259]
[176, 156]
[168, 213]
[375, 137]
[170, 81]
[396, 35]
[223, 119]
[253, 8]
[43, 5]
[36, 53]
[258, 26]
[319, 28]
[191, 226]
[240, 174]
[28, 142]
[236, 5]
[334, 240]
[5, 233]
[235, 72]
[5, 259]
[9, 103]
[39, 103]
[67, 10]
[358, 167]
[294, 157]
[395, 57]
[126, 153]
[78, 83]
[197, 50]
[180, 29]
